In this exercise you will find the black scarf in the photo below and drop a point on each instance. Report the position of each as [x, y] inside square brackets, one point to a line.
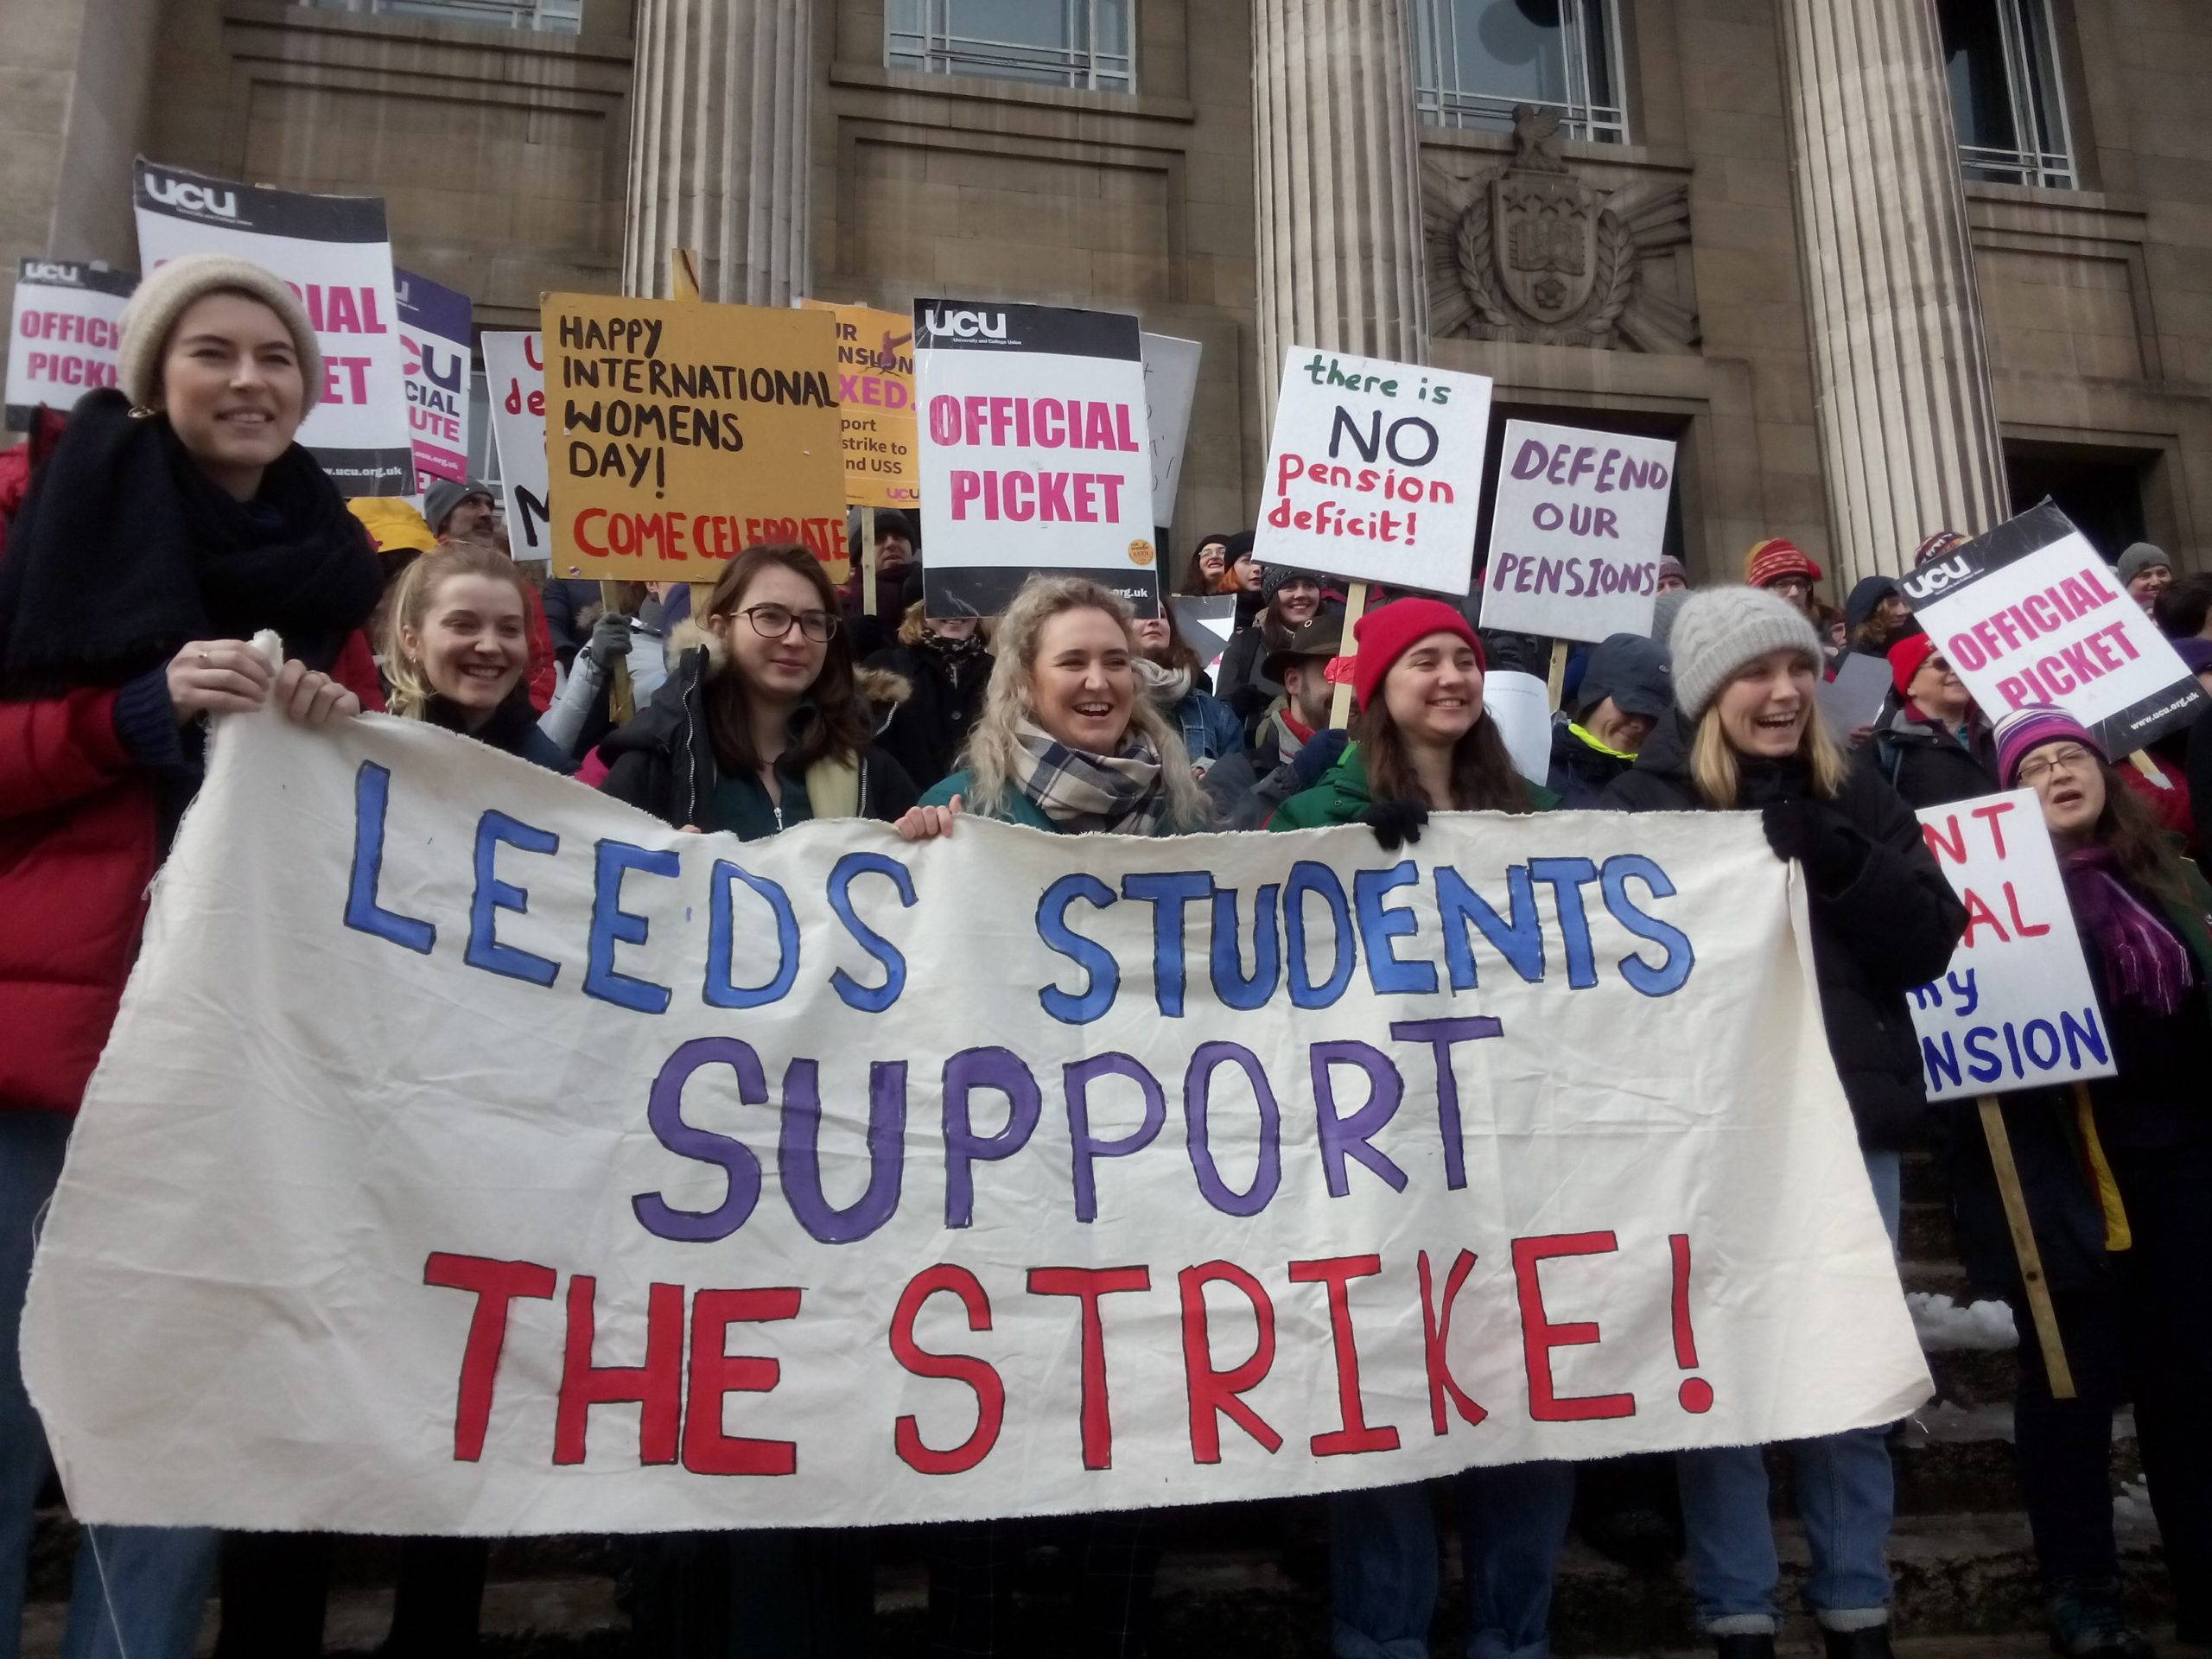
[509, 723]
[125, 551]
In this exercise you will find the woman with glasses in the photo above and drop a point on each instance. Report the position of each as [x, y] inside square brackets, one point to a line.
[765, 722]
[1933, 749]
[2119, 1190]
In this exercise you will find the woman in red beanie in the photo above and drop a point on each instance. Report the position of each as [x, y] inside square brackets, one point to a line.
[1421, 745]
[1934, 748]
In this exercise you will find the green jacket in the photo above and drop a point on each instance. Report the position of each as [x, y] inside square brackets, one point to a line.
[1343, 793]
[1013, 806]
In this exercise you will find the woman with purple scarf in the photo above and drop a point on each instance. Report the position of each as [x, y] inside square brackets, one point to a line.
[2120, 1194]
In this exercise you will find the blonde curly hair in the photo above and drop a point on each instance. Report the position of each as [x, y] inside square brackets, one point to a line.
[995, 744]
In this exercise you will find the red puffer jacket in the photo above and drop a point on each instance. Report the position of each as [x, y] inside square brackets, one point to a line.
[77, 850]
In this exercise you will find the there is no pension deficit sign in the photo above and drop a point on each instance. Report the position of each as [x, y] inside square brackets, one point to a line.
[2031, 613]
[576, 1174]
[1576, 532]
[2017, 1009]
[1035, 453]
[680, 433]
[1376, 471]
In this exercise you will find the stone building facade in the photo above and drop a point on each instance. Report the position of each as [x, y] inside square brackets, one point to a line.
[1746, 224]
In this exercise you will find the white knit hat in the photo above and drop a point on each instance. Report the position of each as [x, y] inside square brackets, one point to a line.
[162, 297]
[1720, 630]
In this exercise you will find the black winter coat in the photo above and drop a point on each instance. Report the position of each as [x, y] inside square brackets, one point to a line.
[662, 761]
[1580, 775]
[1927, 764]
[925, 731]
[1892, 926]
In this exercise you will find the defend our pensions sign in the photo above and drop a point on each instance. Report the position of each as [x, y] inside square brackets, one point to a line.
[1575, 536]
[679, 433]
[831, 1181]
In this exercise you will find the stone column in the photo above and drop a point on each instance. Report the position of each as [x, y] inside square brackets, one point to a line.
[718, 147]
[1339, 181]
[1907, 423]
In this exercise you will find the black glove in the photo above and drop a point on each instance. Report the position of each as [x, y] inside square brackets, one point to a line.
[1395, 822]
[1817, 836]
[1320, 752]
[610, 640]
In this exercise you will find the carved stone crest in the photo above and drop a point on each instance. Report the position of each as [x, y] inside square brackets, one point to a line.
[1532, 253]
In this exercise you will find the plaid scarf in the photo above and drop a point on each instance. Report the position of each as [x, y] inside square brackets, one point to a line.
[1123, 794]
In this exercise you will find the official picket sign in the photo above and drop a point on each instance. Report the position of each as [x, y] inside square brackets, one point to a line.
[692, 1196]
[2015, 1009]
[336, 253]
[2031, 613]
[1035, 452]
[63, 336]
[514, 380]
[1171, 386]
[679, 433]
[1576, 532]
[435, 329]
[875, 399]
[1375, 470]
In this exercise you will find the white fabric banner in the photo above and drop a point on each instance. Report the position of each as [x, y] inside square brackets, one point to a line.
[474, 1154]
[2017, 1009]
[1576, 532]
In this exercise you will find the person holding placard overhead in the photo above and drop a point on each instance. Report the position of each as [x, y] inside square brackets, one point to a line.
[1746, 734]
[1424, 745]
[175, 519]
[2118, 1183]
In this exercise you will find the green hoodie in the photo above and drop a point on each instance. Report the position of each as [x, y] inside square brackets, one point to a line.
[1343, 793]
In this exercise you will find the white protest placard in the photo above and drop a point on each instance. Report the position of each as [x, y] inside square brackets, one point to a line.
[1376, 471]
[62, 338]
[1521, 705]
[1206, 622]
[1854, 696]
[2030, 613]
[336, 254]
[2015, 1009]
[435, 360]
[514, 380]
[574, 1173]
[1575, 536]
[1170, 384]
[1035, 453]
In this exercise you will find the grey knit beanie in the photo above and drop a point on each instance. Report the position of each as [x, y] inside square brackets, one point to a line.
[1720, 630]
[2139, 557]
[1664, 610]
[163, 296]
[1275, 577]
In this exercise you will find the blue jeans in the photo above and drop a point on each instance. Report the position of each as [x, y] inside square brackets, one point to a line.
[156, 1578]
[1846, 1496]
[1382, 1563]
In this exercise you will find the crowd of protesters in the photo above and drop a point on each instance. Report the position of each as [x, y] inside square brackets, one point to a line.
[786, 699]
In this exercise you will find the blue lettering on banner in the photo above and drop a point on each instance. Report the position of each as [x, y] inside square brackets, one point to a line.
[611, 926]
[866, 999]
[371, 796]
[493, 830]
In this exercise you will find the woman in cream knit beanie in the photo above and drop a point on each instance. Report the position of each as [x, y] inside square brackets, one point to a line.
[170, 289]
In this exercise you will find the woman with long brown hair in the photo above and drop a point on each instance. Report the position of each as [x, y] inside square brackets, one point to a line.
[765, 722]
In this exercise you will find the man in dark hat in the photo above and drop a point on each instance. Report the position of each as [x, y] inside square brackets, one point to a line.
[1302, 708]
[1625, 690]
[460, 513]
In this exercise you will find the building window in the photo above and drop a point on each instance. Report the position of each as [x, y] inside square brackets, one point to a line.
[555, 16]
[1084, 43]
[1475, 59]
[2005, 98]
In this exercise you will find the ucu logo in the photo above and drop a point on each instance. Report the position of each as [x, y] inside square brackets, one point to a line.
[192, 198]
[968, 325]
[46, 270]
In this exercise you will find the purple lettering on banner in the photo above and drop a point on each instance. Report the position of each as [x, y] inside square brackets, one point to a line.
[1344, 1137]
[1197, 1099]
[1086, 1147]
[1440, 1035]
[798, 1152]
[999, 1068]
[664, 1112]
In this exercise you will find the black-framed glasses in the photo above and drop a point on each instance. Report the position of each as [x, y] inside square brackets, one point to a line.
[774, 621]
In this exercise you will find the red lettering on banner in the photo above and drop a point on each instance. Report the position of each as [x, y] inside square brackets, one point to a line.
[978, 1375]
[656, 1385]
[1539, 1336]
[1215, 1394]
[1337, 1271]
[1436, 1337]
[716, 1373]
[496, 1286]
[1089, 1284]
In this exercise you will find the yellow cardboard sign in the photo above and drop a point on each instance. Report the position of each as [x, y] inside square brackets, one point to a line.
[679, 434]
[875, 392]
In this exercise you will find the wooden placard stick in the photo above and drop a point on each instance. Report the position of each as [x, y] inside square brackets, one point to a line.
[2042, 1314]
[1555, 683]
[2140, 760]
[868, 560]
[1355, 607]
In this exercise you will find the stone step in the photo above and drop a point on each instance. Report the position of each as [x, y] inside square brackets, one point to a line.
[1968, 1577]
[1925, 1234]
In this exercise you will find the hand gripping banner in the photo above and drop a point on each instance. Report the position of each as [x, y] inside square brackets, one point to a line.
[473, 1155]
